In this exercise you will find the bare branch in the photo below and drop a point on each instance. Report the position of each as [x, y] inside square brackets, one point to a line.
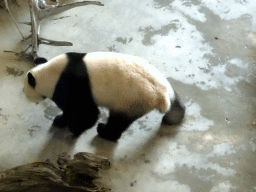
[54, 43]
[26, 23]
[40, 10]
[52, 10]
[7, 7]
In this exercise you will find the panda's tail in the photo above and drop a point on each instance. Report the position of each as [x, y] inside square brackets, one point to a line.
[176, 112]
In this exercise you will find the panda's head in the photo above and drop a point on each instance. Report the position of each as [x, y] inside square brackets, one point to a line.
[40, 81]
[31, 88]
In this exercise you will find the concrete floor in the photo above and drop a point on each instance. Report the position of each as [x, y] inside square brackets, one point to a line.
[206, 49]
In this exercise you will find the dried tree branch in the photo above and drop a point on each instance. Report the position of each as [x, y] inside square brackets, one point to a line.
[7, 7]
[53, 43]
[39, 10]
[48, 10]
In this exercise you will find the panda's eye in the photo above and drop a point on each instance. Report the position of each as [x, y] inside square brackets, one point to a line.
[44, 97]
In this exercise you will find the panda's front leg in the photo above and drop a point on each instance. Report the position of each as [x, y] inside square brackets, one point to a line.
[61, 121]
[82, 120]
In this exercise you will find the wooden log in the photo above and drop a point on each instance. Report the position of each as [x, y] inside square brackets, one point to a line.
[70, 175]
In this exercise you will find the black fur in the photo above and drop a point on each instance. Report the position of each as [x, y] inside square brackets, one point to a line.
[40, 60]
[176, 114]
[73, 96]
[117, 124]
[31, 80]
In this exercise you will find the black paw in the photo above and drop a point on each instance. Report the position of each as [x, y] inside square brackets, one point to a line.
[100, 128]
[76, 130]
[106, 134]
[60, 121]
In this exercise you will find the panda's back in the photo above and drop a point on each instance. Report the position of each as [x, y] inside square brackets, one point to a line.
[127, 83]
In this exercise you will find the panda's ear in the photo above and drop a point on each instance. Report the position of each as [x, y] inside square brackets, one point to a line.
[40, 60]
[31, 80]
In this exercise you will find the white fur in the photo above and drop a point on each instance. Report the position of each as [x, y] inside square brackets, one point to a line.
[127, 83]
[47, 76]
[119, 82]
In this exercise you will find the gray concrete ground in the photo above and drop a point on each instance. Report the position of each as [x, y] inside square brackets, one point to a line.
[206, 49]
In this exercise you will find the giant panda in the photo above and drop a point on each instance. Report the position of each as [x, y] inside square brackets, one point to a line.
[79, 83]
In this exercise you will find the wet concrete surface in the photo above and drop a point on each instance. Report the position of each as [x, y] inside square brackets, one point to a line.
[207, 51]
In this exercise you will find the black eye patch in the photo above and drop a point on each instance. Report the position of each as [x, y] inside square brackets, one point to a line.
[31, 80]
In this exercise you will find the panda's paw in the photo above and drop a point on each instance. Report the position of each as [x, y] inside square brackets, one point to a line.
[100, 128]
[60, 121]
[106, 134]
[76, 131]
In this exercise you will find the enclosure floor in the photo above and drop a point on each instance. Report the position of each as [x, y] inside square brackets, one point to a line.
[207, 51]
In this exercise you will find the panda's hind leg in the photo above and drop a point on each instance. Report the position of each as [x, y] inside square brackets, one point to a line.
[116, 125]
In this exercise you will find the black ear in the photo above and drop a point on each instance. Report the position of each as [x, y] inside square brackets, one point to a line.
[31, 80]
[40, 60]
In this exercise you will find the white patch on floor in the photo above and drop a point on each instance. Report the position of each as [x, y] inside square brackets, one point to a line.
[194, 121]
[253, 145]
[232, 9]
[175, 156]
[187, 8]
[222, 187]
